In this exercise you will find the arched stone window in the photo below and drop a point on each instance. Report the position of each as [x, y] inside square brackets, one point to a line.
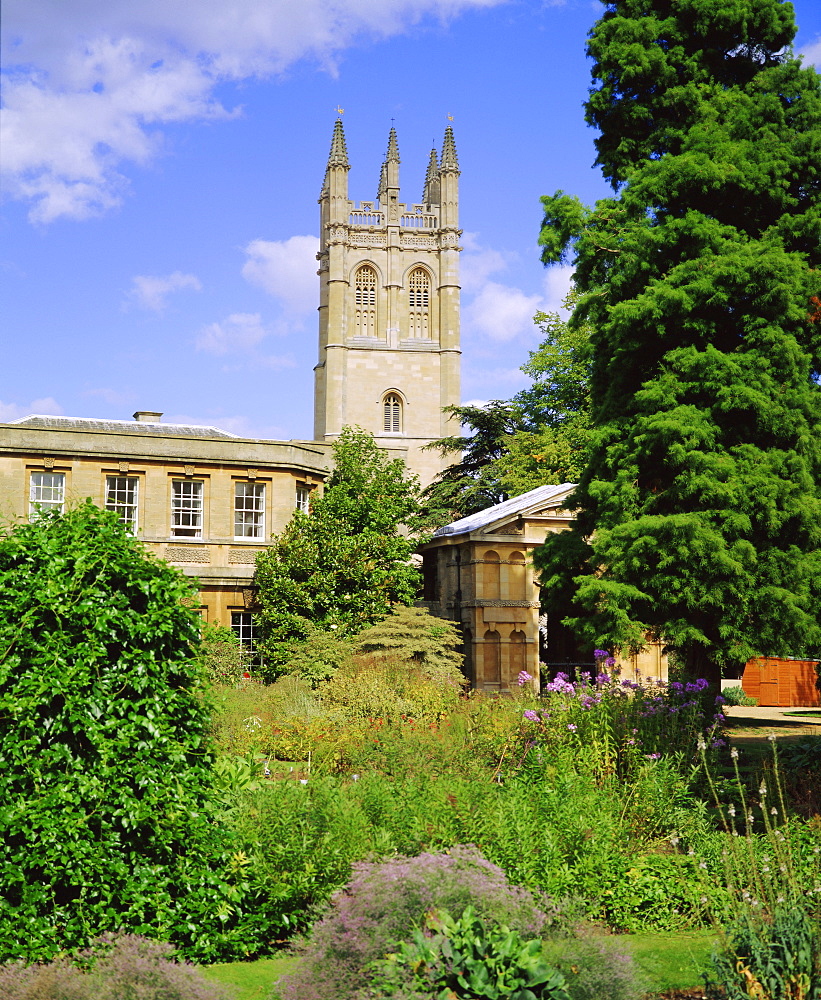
[392, 414]
[490, 576]
[492, 648]
[365, 302]
[517, 577]
[518, 654]
[419, 304]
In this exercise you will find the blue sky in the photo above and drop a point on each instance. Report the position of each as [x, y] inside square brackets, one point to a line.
[161, 172]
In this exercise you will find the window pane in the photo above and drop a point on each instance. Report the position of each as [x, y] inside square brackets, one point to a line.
[46, 492]
[242, 622]
[303, 498]
[249, 510]
[121, 498]
[186, 509]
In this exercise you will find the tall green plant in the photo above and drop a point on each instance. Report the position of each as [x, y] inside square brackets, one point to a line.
[104, 756]
[344, 564]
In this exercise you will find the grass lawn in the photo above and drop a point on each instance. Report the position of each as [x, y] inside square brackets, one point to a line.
[250, 980]
[671, 961]
[667, 961]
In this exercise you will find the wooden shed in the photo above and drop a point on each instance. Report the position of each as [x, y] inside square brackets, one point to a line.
[782, 683]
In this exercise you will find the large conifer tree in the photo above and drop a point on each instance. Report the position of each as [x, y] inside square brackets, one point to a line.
[700, 508]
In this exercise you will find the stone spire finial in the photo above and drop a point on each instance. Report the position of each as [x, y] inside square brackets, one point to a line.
[339, 153]
[431, 192]
[393, 147]
[450, 161]
[383, 182]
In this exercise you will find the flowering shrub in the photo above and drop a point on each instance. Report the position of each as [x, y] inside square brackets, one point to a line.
[384, 901]
[114, 968]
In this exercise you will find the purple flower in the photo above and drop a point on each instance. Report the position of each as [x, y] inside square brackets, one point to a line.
[610, 661]
[602, 679]
[572, 727]
[523, 678]
[653, 756]
[720, 700]
[600, 654]
[530, 714]
[717, 744]
[676, 686]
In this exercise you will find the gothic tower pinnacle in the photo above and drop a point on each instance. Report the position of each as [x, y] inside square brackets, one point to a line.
[389, 354]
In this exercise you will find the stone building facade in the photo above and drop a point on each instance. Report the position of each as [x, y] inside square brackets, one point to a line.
[478, 571]
[204, 500]
[389, 354]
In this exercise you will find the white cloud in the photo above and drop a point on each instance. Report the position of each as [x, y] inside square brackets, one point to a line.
[557, 282]
[46, 405]
[286, 270]
[478, 262]
[151, 291]
[812, 53]
[90, 83]
[502, 312]
[237, 334]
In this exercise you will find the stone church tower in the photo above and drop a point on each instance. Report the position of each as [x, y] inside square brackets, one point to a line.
[389, 354]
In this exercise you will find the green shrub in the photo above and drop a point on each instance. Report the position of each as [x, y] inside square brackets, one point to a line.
[736, 695]
[220, 653]
[105, 764]
[414, 636]
[114, 968]
[463, 957]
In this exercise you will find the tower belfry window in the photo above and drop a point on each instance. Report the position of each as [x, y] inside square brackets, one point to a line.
[392, 414]
[365, 301]
[419, 304]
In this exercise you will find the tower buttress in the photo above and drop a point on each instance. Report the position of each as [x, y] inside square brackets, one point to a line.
[389, 353]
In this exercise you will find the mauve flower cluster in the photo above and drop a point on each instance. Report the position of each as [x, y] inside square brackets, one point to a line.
[123, 966]
[382, 903]
[645, 716]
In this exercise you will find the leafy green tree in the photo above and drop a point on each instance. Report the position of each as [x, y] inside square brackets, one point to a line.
[700, 507]
[551, 446]
[537, 438]
[472, 483]
[344, 564]
[105, 764]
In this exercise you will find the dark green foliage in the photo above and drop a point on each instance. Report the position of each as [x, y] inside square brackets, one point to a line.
[700, 507]
[539, 437]
[104, 761]
[654, 60]
[472, 483]
[773, 958]
[344, 564]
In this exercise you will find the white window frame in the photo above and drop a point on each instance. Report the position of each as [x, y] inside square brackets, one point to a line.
[47, 491]
[249, 510]
[242, 622]
[187, 508]
[302, 498]
[117, 499]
